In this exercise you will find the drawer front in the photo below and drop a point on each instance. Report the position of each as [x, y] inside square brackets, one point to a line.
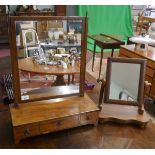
[26, 130]
[149, 72]
[88, 118]
[59, 124]
[128, 54]
[125, 53]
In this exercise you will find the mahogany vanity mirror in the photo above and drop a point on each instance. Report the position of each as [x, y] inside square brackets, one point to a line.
[125, 81]
[48, 57]
[124, 92]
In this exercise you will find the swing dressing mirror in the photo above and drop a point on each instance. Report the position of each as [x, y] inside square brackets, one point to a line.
[125, 81]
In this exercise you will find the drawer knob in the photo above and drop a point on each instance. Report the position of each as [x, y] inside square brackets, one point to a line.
[27, 132]
[59, 123]
[88, 118]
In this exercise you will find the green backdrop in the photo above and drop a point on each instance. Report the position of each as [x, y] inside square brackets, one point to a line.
[107, 19]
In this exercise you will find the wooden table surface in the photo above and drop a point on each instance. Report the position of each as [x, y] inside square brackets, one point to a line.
[27, 64]
[150, 54]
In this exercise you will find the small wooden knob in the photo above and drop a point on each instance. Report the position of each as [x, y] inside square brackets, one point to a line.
[27, 131]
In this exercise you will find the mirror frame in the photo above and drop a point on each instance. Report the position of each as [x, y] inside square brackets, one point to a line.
[14, 57]
[142, 63]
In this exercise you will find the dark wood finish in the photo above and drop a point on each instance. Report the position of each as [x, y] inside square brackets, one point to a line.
[52, 115]
[130, 52]
[60, 10]
[4, 36]
[142, 63]
[105, 42]
[119, 110]
[122, 114]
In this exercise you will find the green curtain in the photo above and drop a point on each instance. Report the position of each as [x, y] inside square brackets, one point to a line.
[107, 19]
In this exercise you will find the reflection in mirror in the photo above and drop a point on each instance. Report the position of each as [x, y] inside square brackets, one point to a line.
[124, 81]
[49, 54]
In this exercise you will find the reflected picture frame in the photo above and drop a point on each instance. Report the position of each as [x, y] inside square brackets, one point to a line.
[139, 101]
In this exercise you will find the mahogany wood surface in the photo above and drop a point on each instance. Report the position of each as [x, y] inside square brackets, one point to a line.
[130, 52]
[28, 65]
[122, 114]
[34, 118]
[60, 10]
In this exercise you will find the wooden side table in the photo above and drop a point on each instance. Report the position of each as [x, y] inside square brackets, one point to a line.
[105, 41]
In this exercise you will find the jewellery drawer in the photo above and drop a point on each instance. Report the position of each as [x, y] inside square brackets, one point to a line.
[26, 130]
[54, 125]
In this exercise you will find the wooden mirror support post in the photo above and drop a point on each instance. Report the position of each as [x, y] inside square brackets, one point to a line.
[127, 108]
[52, 108]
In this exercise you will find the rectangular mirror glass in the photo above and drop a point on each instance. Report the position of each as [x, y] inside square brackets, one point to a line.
[49, 57]
[120, 86]
[124, 81]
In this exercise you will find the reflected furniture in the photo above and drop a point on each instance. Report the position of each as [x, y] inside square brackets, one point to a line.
[129, 51]
[27, 65]
[54, 44]
[123, 92]
[32, 42]
[51, 108]
[105, 41]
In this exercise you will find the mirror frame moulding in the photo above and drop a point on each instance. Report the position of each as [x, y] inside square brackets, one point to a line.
[16, 80]
[140, 98]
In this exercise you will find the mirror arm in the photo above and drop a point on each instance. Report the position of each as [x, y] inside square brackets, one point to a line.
[141, 106]
[146, 86]
[103, 84]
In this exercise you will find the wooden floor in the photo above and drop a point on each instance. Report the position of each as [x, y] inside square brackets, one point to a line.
[108, 135]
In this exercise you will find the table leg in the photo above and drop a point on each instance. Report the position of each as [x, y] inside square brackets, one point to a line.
[59, 81]
[68, 79]
[72, 78]
[93, 56]
[112, 53]
[100, 63]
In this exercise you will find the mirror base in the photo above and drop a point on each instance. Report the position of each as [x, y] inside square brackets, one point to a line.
[122, 114]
